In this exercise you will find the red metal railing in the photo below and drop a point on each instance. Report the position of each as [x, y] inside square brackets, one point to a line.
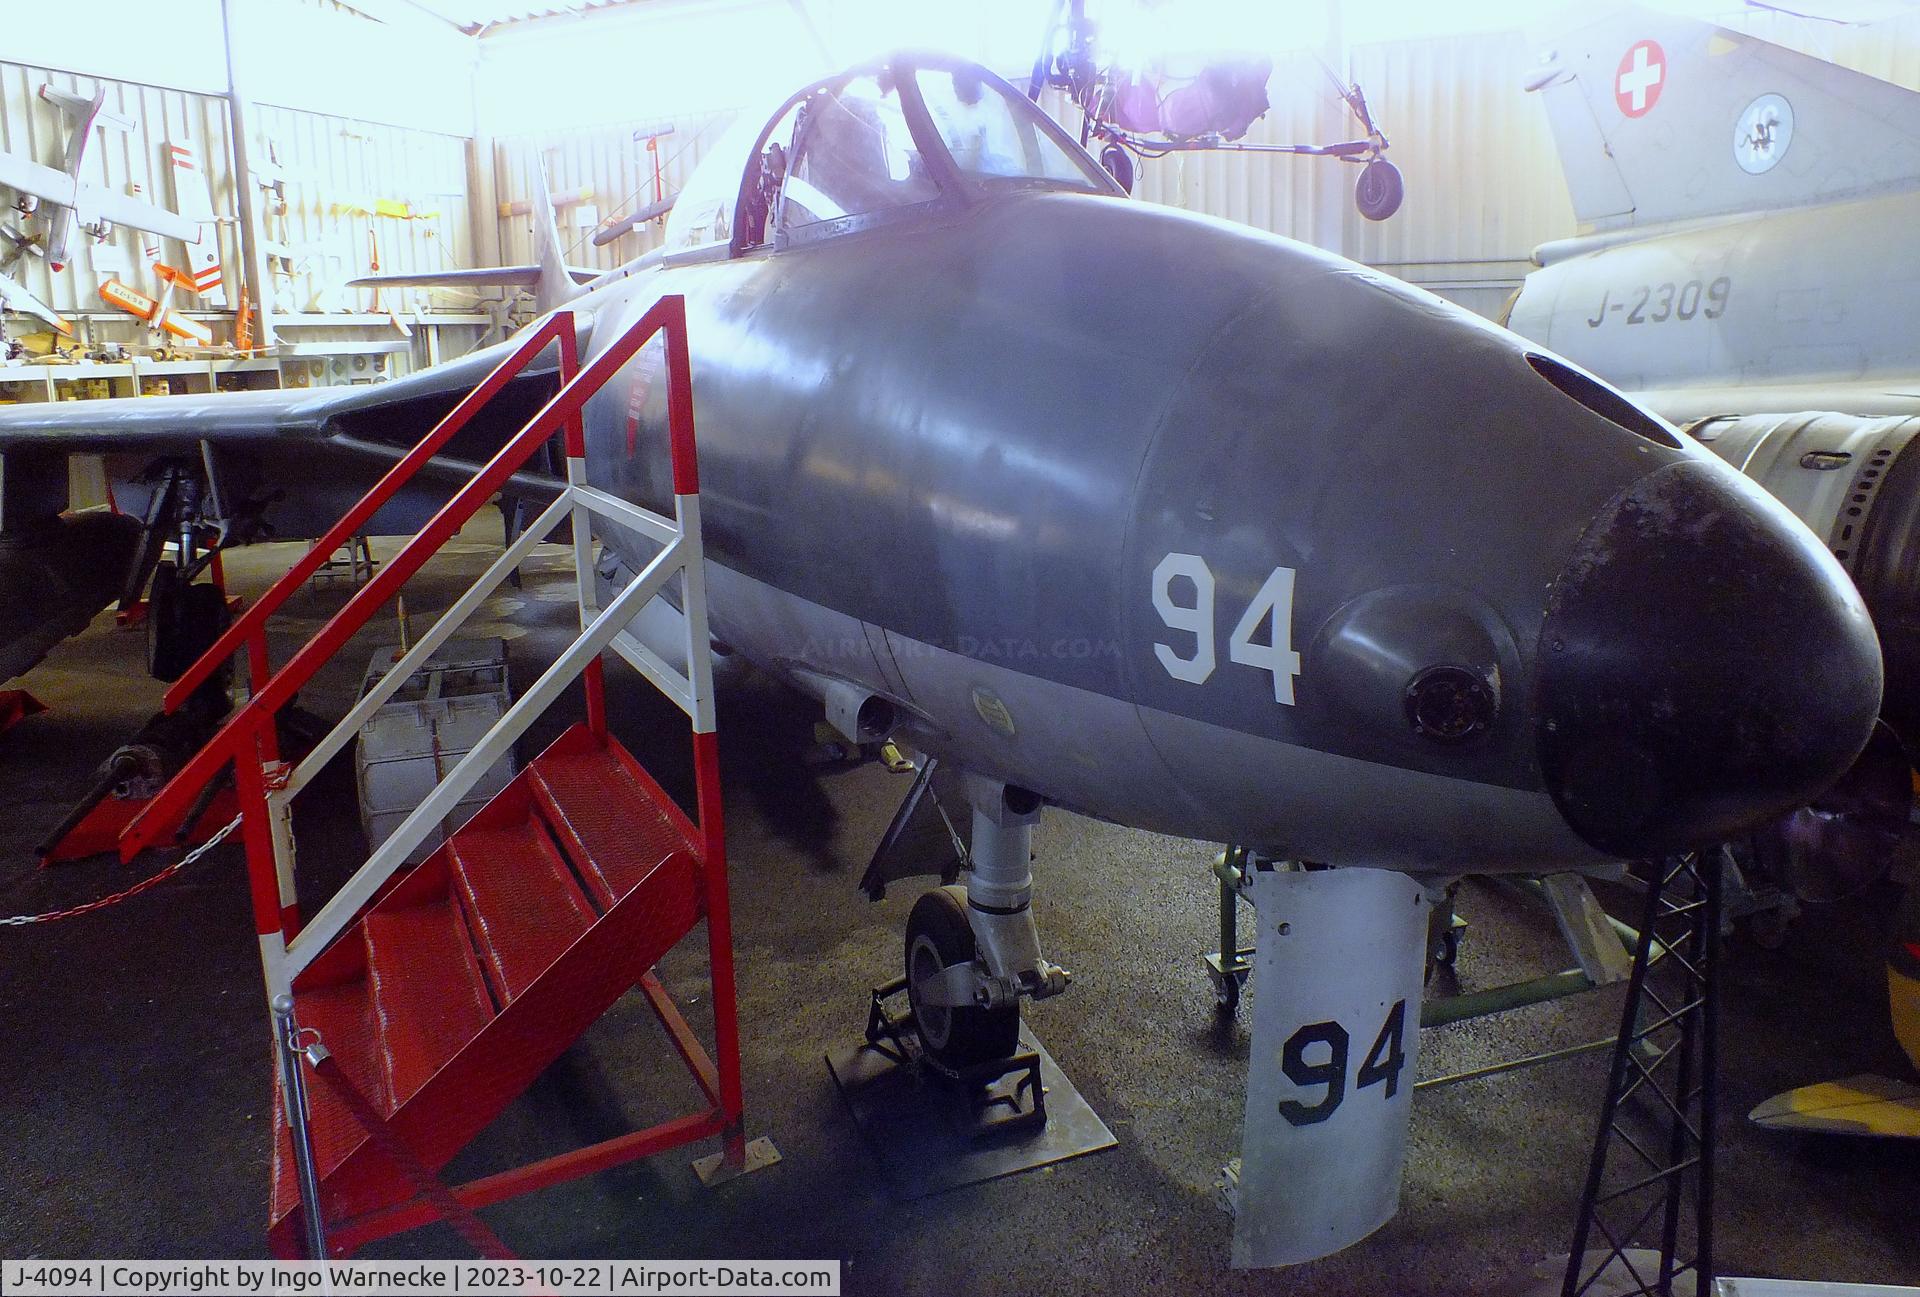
[265, 785]
[250, 729]
[250, 630]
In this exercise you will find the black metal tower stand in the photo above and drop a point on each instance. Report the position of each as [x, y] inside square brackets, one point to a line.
[1660, 1101]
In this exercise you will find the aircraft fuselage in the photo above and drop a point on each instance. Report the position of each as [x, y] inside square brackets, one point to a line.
[1193, 528]
[1814, 306]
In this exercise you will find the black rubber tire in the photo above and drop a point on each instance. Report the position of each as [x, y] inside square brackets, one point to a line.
[183, 621]
[1380, 189]
[163, 608]
[938, 936]
[1119, 164]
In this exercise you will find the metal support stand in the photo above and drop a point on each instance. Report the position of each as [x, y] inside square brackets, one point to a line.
[483, 1065]
[932, 1129]
[353, 558]
[293, 1086]
[922, 839]
[1445, 929]
[1003, 1095]
[1665, 1057]
[1229, 967]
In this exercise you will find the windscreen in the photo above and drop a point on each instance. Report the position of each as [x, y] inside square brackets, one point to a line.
[853, 154]
[994, 136]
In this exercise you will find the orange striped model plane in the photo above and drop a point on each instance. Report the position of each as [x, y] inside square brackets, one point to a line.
[160, 313]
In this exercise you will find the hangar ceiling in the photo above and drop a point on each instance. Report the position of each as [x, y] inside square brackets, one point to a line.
[476, 15]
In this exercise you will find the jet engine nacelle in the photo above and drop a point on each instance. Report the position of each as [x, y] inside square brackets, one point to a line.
[1855, 482]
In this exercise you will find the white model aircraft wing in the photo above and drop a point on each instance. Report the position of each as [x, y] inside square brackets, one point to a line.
[16, 298]
[96, 202]
[93, 202]
[43, 183]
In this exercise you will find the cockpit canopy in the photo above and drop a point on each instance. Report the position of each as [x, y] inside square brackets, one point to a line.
[872, 145]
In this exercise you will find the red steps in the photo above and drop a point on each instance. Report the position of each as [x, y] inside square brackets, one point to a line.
[519, 896]
[458, 987]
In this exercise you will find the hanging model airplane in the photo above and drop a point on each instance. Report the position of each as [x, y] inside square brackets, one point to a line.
[15, 297]
[1751, 217]
[1141, 112]
[159, 313]
[617, 226]
[64, 200]
[1139, 514]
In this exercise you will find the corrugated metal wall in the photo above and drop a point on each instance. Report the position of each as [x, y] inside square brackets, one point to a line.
[1483, 183]
[334, 165]
[337, 169]
[33, 128]
[619, 170]
[1484, 186]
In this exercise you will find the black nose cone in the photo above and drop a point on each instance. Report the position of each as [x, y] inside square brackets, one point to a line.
[1704, 664]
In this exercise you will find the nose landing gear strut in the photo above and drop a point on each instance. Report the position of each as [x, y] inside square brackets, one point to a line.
[954, 1090]
[973, 953]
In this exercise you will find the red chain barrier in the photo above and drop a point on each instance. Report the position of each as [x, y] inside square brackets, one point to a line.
[145, 884]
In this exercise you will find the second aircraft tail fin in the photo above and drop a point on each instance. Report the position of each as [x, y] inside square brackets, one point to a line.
[1660, 118]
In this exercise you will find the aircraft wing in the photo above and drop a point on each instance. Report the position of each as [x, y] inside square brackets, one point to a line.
[96, 202]
[42, 182]
[291, 435]
[1865, 1105]
[160, 424]
[1898, 395]
[284, 464]
[93, 202]
[476, 277]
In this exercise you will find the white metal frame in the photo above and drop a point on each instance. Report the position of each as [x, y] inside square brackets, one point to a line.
[600, 629]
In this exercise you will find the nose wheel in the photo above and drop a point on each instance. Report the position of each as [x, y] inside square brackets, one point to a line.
[184, 619]
[1379, 190]
[939, 939]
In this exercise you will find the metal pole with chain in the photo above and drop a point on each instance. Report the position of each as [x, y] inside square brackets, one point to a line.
[293, 1090]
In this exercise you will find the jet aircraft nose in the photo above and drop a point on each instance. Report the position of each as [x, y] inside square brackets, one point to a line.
[1704, 664]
